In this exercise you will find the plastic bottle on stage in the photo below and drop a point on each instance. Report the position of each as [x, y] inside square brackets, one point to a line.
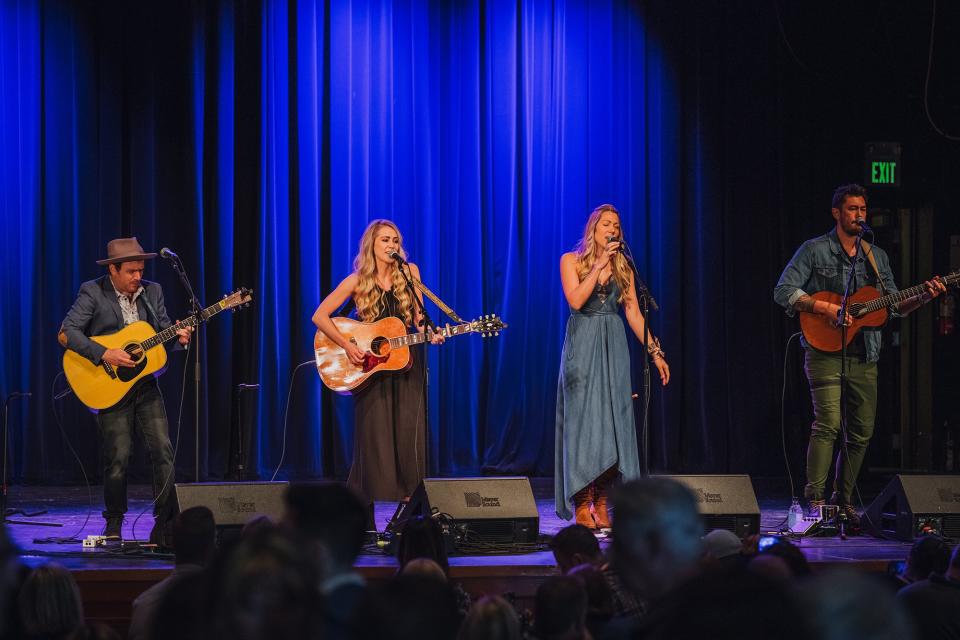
[795, 515]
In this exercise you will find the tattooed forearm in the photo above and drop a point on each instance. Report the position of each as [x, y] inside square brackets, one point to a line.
[804, 303]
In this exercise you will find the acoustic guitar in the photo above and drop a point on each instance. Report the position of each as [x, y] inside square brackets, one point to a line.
[100, 386]
[387, 346]
[867, 308]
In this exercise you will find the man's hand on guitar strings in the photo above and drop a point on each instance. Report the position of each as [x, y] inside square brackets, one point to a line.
[185, 333]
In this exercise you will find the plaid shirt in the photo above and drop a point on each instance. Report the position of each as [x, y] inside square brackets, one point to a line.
[625, 603]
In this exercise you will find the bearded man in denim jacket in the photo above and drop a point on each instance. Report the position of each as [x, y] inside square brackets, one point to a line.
[823, 264]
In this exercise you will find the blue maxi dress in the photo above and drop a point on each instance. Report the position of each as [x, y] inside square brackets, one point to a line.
[595, 427]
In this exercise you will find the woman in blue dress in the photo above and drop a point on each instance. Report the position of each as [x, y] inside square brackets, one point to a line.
[596, 439]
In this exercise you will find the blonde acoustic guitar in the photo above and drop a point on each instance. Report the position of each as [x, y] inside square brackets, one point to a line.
[387, 346]
[100, 386]
[867, 308]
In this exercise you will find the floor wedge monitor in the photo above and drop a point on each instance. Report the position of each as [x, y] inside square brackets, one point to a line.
[495, 510]
[725, 502]
[910, 506]
[233, 503]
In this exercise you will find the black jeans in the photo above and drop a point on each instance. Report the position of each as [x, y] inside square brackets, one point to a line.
[143, 410]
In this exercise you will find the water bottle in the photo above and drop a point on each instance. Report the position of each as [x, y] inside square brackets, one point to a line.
[794, 515]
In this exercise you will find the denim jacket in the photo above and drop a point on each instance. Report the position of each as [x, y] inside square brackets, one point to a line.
[821, 264]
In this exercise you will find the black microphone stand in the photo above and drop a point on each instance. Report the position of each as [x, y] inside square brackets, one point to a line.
[841, 320]
[197, 308]
[647, 302]
[4, 512]
[399, 515]
[428, 325]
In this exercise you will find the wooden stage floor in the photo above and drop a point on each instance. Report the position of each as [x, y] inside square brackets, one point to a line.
[109, 579]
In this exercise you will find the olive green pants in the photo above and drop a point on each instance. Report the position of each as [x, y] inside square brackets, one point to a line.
[823, 373]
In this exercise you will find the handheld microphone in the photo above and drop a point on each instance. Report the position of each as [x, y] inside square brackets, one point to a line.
[616, 239]
[168, 255]
[397, 257]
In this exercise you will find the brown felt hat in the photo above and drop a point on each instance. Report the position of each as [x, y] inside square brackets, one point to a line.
[125, 250]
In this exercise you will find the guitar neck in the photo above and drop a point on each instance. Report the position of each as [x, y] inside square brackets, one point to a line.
[170, 332]
[418, 338]
[893, 298]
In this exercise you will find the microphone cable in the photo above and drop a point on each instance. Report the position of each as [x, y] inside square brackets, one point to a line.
[286, 415]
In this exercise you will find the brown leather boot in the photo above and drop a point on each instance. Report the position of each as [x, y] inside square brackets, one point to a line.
[601, 490]
[581, 500]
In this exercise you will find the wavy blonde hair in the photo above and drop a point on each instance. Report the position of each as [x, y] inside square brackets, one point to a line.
[587, 248]
[367, 296]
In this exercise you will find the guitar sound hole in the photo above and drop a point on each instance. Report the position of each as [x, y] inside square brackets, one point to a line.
[380, 346]
[134, 351]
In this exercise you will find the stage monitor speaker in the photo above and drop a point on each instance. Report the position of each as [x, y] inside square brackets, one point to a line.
[725, 502]
[495, 510]
[910, 506]
[233, 503]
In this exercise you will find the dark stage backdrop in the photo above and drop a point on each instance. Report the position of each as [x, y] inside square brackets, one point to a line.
[257, 139]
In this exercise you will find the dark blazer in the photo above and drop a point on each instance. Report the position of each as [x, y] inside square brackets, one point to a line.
[96, 312]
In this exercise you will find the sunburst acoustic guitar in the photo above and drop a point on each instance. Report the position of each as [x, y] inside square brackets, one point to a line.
[100, 386]
[867, 308]
[387, 345]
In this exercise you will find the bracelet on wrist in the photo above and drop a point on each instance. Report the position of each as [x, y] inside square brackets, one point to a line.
[654, 349]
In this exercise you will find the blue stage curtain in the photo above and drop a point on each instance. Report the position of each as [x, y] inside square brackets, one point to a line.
[257, 139]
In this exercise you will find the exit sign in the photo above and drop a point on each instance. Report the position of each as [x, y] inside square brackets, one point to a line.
[882, 161]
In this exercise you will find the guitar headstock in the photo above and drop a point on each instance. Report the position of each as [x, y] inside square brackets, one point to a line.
[488, 325]
[951, 278]
[241, 297]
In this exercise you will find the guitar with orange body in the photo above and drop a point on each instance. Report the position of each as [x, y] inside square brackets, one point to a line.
[867, 308]
[387, 346]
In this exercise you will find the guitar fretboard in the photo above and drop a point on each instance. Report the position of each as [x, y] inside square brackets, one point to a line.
[171, 331]
[900, 296]
[417, 338]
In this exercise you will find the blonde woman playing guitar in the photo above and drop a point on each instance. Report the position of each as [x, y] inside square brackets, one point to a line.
[389, 411]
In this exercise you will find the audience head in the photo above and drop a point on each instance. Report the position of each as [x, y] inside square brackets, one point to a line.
[330, 513]
[560, 609]
[656, 534]
[408, 606]
[953, 569]
[424, 567]
[731, 604]
[722, 549]
[849, 604]
[10, 577]
[792, 557]
[267, 587]
[423, 538]
[929, 554]
[490, 618]
[600, 607]
[194, 536]
[573, 546]
[49, 603]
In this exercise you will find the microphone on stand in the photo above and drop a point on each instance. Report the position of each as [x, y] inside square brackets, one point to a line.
[397, 257]
[864, 227]
[168, 255]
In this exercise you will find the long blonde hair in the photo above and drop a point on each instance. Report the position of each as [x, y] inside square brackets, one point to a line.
[586, 251]
[367, 296]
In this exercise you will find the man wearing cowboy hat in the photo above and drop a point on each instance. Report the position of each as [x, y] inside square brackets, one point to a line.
[106, 305]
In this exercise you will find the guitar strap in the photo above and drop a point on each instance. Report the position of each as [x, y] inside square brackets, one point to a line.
[437, 301]
[868, 249]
